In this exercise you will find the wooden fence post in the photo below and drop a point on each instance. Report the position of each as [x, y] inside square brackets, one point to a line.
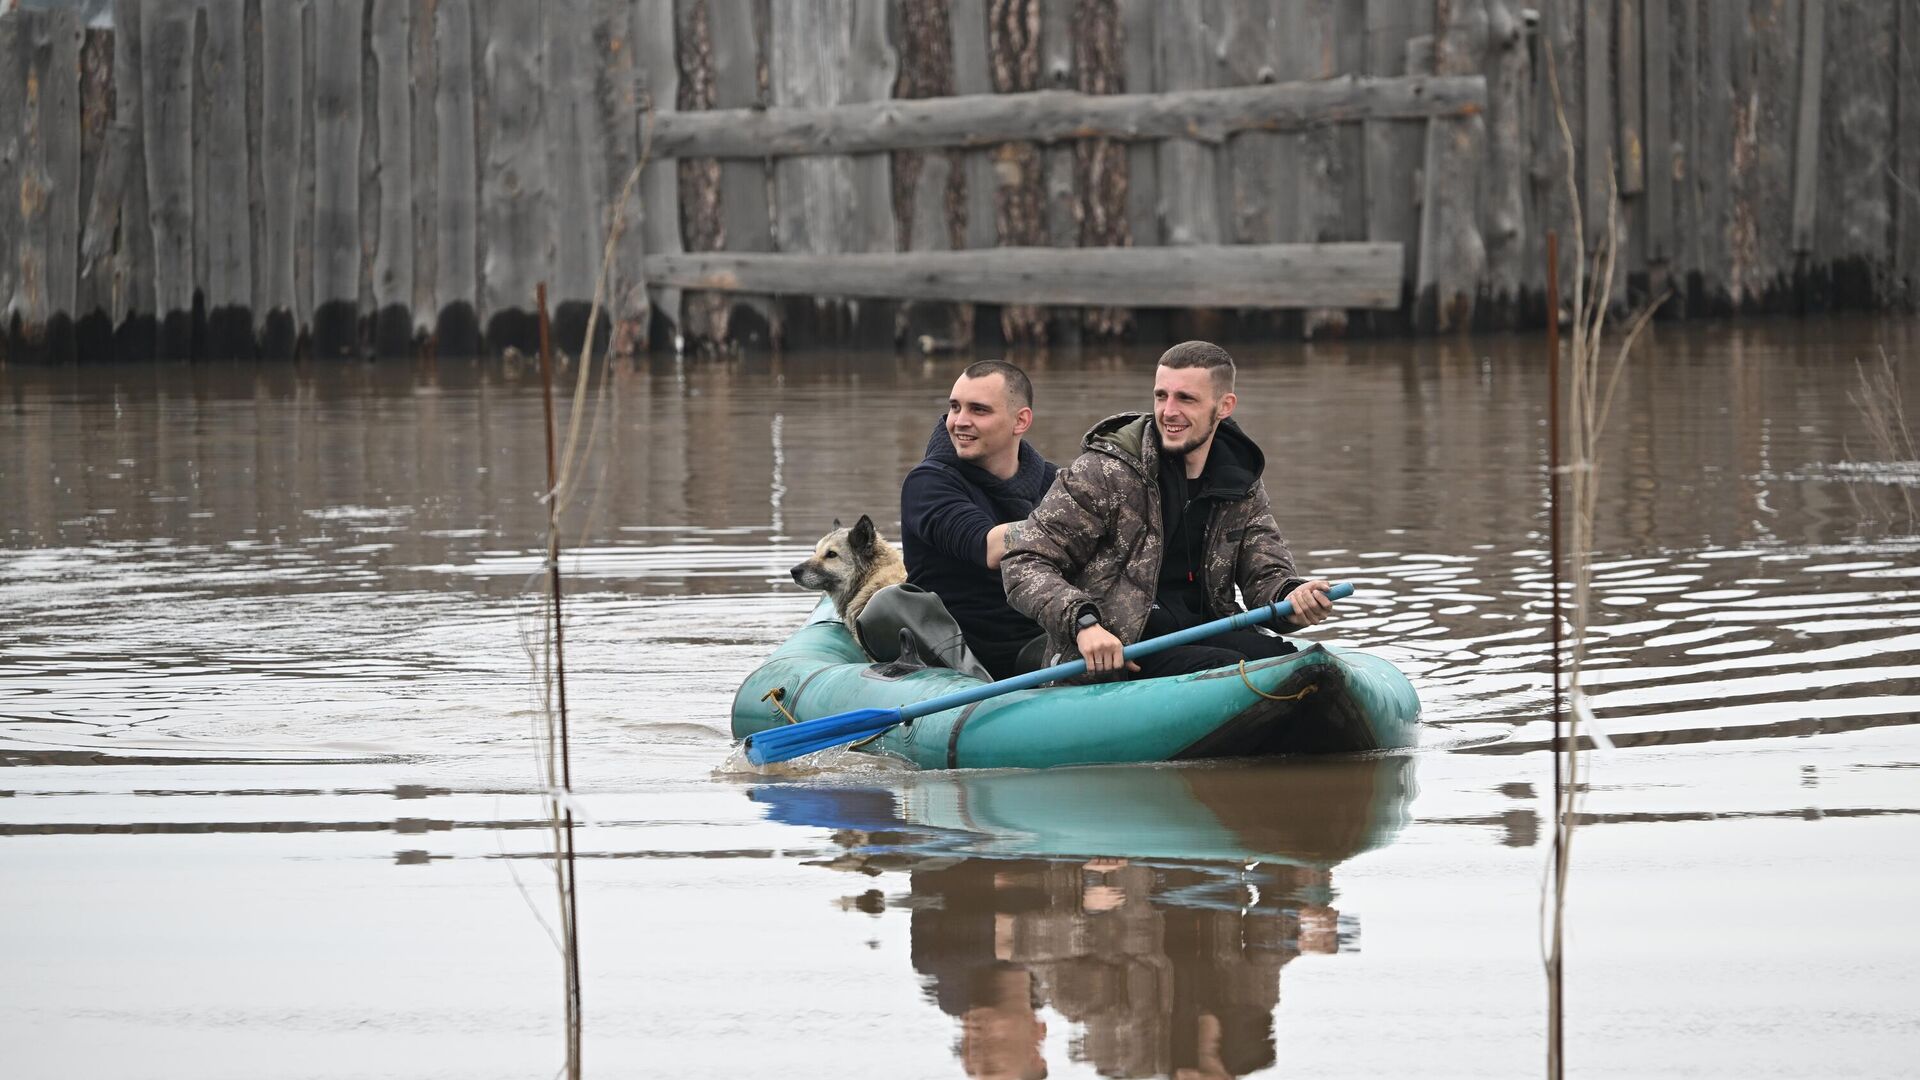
[1394, 147]
[424, 143]
[1906, 154]
[391, 35]
[1657, 216]
[578, 156]
[1452, 253]
[338, 26]
[1504, 171]
[619, 106]
[228, 226]
[734, 27]
[972, 74]
[1061, 192]
[457, 183]
[283, 130]
[15, 45]
[168, 98]
[514, 179]
[820, 55]
[1806, 128]
[1186, 44]
[660, 184]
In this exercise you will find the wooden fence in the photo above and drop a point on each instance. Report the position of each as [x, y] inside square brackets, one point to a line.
[239, 177]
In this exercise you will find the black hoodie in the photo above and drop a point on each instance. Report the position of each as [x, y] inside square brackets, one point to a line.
[947, 507]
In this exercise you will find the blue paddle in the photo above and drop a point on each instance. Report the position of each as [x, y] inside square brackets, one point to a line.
[810, 736]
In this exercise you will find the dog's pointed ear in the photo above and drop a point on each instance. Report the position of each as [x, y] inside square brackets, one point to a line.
[862, 537]
[836, 523]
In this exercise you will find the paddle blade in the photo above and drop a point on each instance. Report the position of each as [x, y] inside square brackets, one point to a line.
[812, 736]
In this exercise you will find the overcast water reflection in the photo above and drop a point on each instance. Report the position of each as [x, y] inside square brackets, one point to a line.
[271, 806]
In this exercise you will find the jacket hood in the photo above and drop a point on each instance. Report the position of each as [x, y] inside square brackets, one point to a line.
[1234, 464]
[1030, 482]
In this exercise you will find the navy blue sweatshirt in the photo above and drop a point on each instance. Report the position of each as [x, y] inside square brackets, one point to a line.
[947, 507]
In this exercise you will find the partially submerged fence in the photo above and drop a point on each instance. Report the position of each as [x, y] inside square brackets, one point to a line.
[230, 177]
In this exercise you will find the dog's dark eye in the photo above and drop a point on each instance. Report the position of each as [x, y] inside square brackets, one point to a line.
[833, 554]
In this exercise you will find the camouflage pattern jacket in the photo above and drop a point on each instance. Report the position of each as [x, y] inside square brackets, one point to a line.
[1098, 536]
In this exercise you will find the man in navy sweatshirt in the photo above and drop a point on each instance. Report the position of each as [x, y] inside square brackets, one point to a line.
[956, 507]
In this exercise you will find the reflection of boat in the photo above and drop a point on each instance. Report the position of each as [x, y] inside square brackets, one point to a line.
[1308, 813]
[1153, 908]
[1319, 700]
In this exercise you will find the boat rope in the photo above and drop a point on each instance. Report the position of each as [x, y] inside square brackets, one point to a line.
[1310, 688]
[777, 695]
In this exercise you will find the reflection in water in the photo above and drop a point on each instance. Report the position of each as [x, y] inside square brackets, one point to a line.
[1152, 908]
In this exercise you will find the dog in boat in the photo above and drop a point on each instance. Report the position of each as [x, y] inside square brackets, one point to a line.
[850, 565]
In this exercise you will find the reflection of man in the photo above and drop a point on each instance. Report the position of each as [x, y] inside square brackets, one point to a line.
[1153, 528]
[1001, 1032]
[958, 505]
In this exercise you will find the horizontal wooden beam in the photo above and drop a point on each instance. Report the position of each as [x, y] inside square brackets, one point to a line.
[974, 120]
[1242, 275]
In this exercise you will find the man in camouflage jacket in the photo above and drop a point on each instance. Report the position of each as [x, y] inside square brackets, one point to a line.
[1151, 529]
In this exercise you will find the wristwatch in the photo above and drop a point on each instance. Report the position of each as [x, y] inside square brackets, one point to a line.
[1089, 617]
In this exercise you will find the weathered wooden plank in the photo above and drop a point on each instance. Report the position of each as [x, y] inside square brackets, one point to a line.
[1723, 31]
[1263, 275]
[578, 158]
[338, 26]
[660, 186]
[514, 208]
[424, 142]
[1853, 262]
[15, 45]
[228, 286]
[701, 215]
[168, 95]
[1201, 116]
[391, 33]
[132, 259]
[1143, 157]
[1806, 136]
[624, 308]
[1657, 216]
[1906, 154]
[1596, 80]
[1019, 198]
[746, 219]
[1394, 148]
[1186, 44]
[1262, 164]
[1100, 67]
[819, 57]
[923, 31]
[1503, 225]
[283, 125]
[872, 67]
[972, 76]
[457, 183]
[1766, 77]
[1629, 82]
[35, 181]
[1453, 253]
[60, 145]
[1556, 152]
[1057, 72]
[97, 191]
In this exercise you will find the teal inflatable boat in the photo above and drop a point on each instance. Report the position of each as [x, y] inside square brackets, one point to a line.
[1320, 700]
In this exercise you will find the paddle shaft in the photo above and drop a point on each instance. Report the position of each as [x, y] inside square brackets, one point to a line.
[1268, 613]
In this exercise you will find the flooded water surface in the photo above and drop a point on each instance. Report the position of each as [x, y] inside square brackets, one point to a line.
[272, 799]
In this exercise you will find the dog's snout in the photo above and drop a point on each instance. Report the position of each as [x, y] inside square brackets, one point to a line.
[799, 572]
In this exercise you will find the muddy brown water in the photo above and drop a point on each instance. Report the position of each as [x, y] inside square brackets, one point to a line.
[271, 805]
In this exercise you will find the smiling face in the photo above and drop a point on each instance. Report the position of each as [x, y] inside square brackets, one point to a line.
[1188, 408]
[984, 425]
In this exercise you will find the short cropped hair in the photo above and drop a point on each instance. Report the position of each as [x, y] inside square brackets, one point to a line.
[1202, 354]
[1019, 387]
